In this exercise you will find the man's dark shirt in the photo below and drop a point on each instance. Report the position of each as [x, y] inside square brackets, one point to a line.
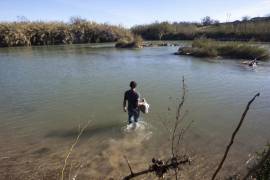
[132, 97]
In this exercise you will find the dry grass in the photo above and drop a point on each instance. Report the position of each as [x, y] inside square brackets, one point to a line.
[54, 33]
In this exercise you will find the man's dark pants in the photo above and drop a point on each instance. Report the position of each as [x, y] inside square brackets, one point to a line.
[133, 113]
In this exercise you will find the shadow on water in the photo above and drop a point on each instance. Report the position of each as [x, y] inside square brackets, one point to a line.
[41, 151]
[111, 129]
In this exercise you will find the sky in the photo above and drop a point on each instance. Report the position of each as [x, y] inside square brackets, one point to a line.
[132, 12]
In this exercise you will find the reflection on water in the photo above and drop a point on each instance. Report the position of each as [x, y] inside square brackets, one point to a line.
[94, 130]
[46, 92]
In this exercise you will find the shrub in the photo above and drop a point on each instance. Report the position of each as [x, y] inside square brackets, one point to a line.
[245, 51]
[136, 42]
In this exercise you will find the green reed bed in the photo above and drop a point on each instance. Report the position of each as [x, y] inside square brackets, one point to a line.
[235, 50]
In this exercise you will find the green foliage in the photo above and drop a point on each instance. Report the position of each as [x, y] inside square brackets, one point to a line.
[165, 31]
[237, 50]
[206, 21]
[244, 51]
[204, 43]
[197, 52]
[263, 173]
[239, 30]
[53, 33]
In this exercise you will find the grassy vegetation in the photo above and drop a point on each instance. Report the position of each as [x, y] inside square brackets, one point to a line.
[25, 33]
[262, 165]
[212, 48]
[54, 33]
[257, 29]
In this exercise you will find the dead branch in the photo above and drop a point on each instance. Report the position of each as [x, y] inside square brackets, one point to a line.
[160, 167]
[233, 136]
[259, 165]
[72, 147]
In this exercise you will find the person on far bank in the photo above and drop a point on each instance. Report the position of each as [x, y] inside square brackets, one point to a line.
[133, 99]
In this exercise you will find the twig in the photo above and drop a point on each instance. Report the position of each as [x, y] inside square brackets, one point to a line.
[182, 132]
[259, 165]
[178, 115]
[130, 169]
[71, 149]
[233, 136]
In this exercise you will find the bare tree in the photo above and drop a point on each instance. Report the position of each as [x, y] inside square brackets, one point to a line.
[206, 21]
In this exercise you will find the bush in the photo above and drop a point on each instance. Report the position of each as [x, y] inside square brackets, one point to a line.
[136, 42]
[197, 52]
[165, 31]
[245, 51]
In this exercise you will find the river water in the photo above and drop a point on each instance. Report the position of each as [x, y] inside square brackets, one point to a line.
[49, 93]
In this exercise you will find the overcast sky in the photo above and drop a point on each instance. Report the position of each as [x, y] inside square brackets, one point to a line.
[129, 13]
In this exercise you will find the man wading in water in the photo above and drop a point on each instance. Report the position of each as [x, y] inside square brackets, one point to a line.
[133, 99]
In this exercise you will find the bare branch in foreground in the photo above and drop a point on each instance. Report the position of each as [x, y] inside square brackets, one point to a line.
[160, 167]
[233, 136]
[71, 149]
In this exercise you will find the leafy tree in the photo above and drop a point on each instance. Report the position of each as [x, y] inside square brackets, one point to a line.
[245, 18]
[206, 21]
